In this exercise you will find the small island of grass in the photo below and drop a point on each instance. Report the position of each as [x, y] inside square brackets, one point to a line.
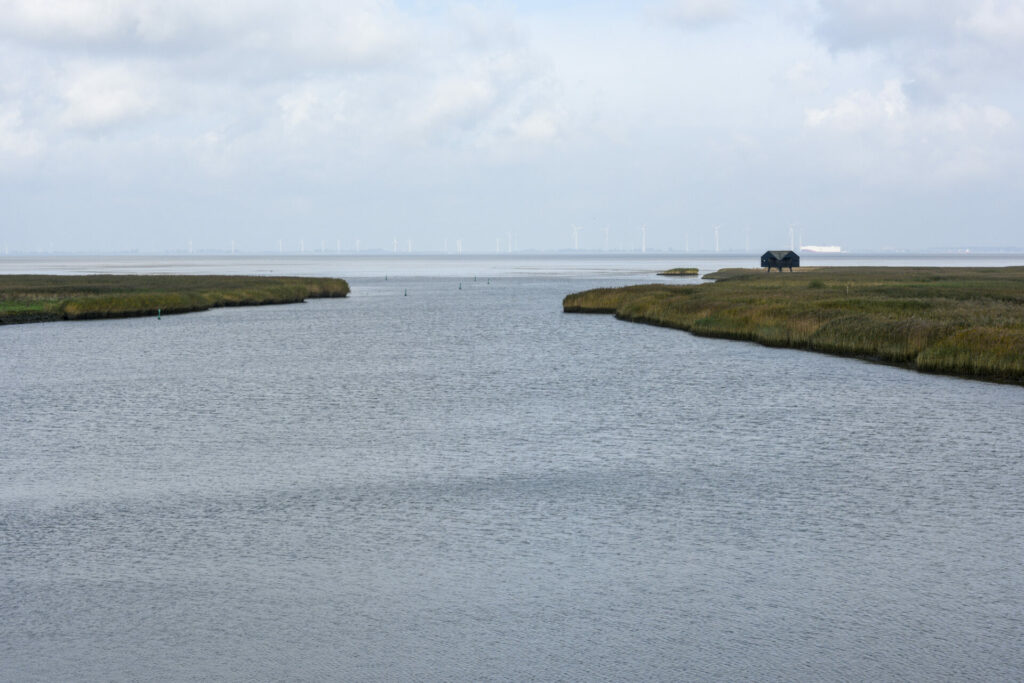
[967, 322]
[680, 272]
[44, 298]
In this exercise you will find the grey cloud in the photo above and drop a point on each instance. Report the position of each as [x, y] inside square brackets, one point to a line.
[854, 24]
[112, 61]
[948, 54]
[695, 14]
[949, 36]
[234, 115]
[307, 33]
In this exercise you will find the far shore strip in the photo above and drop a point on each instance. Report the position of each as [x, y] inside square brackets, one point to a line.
[45, 298]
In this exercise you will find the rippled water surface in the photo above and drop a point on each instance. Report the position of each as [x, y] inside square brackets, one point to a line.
[424, 481]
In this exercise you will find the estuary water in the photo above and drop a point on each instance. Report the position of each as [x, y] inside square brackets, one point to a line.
[444, 477]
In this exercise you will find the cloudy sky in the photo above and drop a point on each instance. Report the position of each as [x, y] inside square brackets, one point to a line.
[144, 124]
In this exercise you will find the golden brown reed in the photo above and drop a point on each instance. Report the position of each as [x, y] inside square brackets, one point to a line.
[41, 298]
[960, 321]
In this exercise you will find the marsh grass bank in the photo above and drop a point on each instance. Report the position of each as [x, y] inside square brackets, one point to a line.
[967, 322]
[680, 272]
[43, 298]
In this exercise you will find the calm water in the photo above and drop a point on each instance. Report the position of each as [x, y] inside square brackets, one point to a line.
[469, 484]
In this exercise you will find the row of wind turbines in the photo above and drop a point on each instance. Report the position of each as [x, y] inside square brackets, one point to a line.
[511, 242]
[576, 230]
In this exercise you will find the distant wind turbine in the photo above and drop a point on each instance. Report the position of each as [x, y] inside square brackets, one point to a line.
[643, 239]
[576, 230]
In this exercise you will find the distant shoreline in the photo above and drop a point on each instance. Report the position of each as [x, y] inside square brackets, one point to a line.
[680, 272]
[48, 298]
[966, 322]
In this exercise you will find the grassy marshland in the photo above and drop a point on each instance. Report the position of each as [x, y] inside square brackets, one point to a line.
[679, 272]
[41, 298]
[959, 321]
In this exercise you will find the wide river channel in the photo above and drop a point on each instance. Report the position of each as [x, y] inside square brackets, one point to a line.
[444, 477]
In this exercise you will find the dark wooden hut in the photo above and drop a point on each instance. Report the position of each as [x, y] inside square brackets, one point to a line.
[780, 260]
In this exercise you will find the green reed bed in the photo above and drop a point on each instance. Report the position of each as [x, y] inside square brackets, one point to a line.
[680, 272]
[42, 298]
[960, 321]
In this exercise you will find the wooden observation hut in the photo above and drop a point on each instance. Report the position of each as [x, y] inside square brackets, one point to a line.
[780, 260]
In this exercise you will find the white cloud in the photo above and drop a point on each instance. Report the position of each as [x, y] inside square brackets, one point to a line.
[537, 127]
[15, 139]
[96, 96]
[862, 109]
[948, 110]
[884, 136]
[322, 73]
[456, 100]
[61, 19]
[313, 106]
[890, 109]
[347, 33]
[313, 32]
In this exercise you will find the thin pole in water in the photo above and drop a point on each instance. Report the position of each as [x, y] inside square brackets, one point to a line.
[158, 314]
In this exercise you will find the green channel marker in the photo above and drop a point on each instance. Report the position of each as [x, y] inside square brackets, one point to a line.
[158, 314]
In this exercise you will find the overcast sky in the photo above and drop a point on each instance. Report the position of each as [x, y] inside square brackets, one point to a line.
[145, 124]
